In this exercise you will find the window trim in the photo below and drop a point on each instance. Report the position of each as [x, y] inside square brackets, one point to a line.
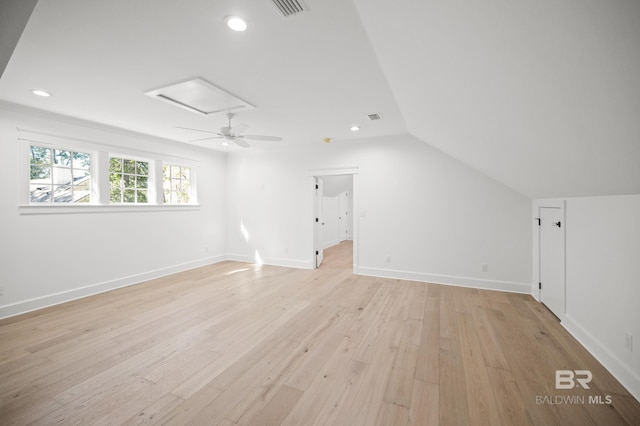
[151, 177]
[100, 155]
[193, 198]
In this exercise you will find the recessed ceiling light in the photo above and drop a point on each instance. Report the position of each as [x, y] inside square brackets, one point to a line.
[42, 93]
[225, 143]
[355, 128]
[236, 23]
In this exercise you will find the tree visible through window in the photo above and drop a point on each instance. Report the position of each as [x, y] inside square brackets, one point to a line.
[176, 184]
[129, 180]
[59, 176]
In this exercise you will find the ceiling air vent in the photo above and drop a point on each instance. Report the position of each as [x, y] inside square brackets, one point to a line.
[374, 116]
[200, 96]
[290, 7]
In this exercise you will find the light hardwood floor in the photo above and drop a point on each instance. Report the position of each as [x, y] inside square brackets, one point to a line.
[234, 343]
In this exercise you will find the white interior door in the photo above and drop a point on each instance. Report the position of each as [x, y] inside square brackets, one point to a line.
[319, 254]
[342, 216]
[551, 233]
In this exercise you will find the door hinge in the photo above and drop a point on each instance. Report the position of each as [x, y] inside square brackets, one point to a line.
[317, 187]
[538, 219]
[317, 252]
[539, 286]
[317, 220]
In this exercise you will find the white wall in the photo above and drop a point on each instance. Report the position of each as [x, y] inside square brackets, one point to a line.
[603, 281]
[47, 259]
[438, 219]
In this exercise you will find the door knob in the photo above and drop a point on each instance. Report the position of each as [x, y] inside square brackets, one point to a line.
[558, 224]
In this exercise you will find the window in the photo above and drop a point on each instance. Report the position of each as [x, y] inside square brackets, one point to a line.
[129, 181]
[59, 176]
[176, 184]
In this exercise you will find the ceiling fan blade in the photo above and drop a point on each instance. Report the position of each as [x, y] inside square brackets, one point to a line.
[262, 138]
[197, 130]
[206, 139]
[239, 129]
[241, 142]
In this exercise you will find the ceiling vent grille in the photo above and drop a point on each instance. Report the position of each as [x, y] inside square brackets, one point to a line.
[374, 116]
[290, 7]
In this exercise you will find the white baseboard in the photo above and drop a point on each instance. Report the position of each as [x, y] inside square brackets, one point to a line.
[508, 286]
[273, 261]
[619, 370]
[78, 293]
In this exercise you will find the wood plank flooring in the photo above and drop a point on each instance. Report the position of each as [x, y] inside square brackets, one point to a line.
[240, 344]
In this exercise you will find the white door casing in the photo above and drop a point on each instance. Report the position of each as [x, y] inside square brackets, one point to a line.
[319, 253]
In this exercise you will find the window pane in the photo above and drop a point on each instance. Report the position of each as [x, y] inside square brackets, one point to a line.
[175, 172]
[115, 180]
[115, 195]
[61, 176]
[82, 198]
[166, 171]
[141, 182]
[79, 175]
[82, 190]
[40, 172]
[186, 171]
[129, 196]
[62, 194]
[142, 196]
[142, 168]
[62, 158]
[40, 155]
[128, 166]
[40, 193]
[115, 165]
[81, 160]
[129, 181]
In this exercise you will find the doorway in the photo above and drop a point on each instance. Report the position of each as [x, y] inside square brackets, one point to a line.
[551, 258]
[334, 203]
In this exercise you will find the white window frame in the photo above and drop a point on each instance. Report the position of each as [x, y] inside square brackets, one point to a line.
[52, 147]
[100, 190]
[193, 199]
[151, 177]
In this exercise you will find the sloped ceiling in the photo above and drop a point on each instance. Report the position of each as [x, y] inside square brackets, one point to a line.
[542, 96]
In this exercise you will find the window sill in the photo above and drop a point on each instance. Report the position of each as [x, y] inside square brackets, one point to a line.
[34, 209]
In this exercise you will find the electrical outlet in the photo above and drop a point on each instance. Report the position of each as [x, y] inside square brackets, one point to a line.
[628, 341]
[484, 267]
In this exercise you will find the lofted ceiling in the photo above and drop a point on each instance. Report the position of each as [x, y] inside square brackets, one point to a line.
[539, 95]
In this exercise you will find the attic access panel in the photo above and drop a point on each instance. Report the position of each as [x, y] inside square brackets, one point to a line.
[200, 96]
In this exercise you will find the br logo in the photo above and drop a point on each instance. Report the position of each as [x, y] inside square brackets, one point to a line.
[569, 379]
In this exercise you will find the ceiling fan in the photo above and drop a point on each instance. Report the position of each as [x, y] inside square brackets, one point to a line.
[233, 134]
